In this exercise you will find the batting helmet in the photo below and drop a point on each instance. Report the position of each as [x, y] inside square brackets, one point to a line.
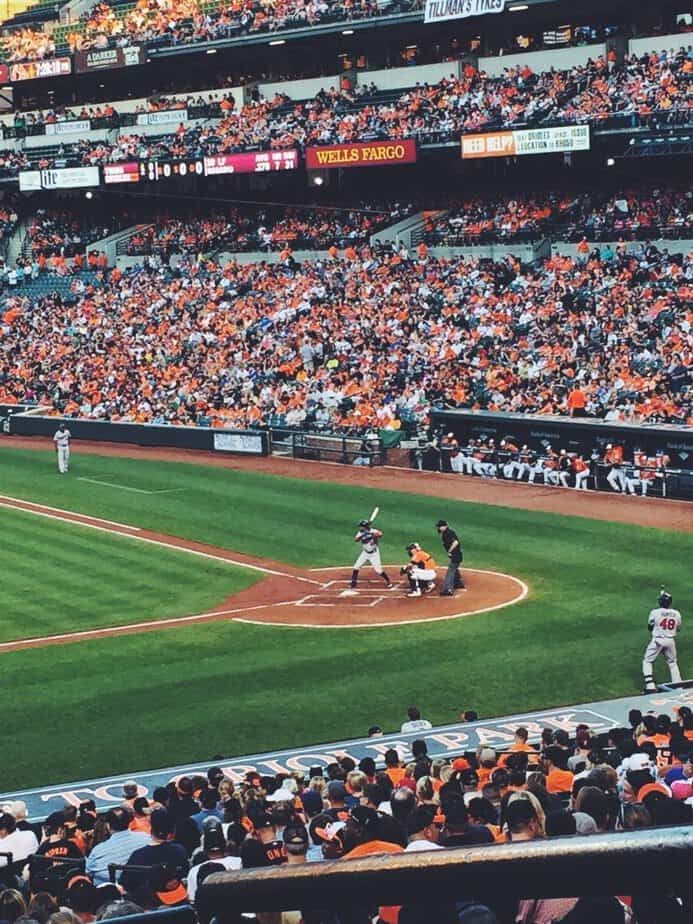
[413, 546]
[364, 523]
[665, 599]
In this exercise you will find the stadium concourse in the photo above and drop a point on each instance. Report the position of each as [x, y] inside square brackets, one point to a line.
[583, 770]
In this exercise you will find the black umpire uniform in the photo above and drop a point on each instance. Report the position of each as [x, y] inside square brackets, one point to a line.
[451, 544]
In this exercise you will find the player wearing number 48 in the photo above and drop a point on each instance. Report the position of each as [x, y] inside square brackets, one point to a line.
[663, 622]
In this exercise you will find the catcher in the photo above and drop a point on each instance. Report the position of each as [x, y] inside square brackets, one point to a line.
[421, 570]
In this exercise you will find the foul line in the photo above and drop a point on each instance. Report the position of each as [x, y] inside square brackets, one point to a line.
[14, 501]
[123, 487]
[68, 516]
[133, 627]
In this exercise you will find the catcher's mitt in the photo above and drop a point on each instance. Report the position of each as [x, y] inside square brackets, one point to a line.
[405, 569]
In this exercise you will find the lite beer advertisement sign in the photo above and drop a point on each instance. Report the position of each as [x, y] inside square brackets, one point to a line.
[530, 141]
[442, 10]
[362, 154]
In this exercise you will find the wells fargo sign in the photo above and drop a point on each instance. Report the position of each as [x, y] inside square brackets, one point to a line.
[362, 154]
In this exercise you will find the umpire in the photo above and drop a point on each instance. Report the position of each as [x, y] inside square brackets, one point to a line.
[453, 577]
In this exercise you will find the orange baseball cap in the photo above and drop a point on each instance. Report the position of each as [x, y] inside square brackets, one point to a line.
[460, 763]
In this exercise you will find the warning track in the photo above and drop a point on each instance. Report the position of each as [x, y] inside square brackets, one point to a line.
[286, 597]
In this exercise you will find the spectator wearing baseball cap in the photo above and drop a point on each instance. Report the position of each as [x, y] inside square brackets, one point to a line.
[336, 796]
[213, 851]
[295, 839]
[558, 778]
[458, 831]
[422, 831]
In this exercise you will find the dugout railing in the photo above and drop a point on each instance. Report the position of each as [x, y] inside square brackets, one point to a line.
[327, 447]
[648, 861]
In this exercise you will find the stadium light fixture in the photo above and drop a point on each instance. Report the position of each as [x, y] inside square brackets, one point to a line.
[518, 8]
[211, 51]
[610, 162]
[89, 194]
[347, 31]
[278, 42]
[318, 181]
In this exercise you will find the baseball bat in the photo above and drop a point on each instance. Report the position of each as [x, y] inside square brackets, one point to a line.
[374, 514]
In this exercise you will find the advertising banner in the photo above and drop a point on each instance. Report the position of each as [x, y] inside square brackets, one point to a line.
[238, 442]
[251, 162]
[362, 154]
[528, 141]
[106, 58]
[442, 10]
[121, 173]
[33, 70]
[59, 178]
[162, 117]
[76, 127]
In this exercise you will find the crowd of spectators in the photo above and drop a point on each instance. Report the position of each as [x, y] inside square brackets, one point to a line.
[165, 844]
[177, 22]
[429, 113]
[663, 210]
[56, 232]
[270, 229]
[361, 339]
[648, 88]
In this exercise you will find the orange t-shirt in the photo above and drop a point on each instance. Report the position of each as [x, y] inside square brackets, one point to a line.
[396, 774]
[559, 781]
[388, 913]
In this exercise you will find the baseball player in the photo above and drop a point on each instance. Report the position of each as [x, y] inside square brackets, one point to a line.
[616, 477]
[370, 553]
[523, 463]
[62, 447]
[421, 570]
[664, 622]
[564, 468]
[510, 453]
[581, 470]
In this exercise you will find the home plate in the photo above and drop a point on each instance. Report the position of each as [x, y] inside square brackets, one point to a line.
[349, 593]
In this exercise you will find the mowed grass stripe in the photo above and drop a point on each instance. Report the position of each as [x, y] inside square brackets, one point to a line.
[60, 577]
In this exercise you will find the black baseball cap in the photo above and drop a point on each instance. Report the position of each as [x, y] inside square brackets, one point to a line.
[295, 836]
[420, 818]
[441, 523]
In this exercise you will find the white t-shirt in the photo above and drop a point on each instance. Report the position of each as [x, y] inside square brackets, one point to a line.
[665, 623]
[418, 846]
[20, 844]
[415, 725]
[226, 862]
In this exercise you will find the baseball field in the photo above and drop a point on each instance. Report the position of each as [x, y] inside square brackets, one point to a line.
[153, 572]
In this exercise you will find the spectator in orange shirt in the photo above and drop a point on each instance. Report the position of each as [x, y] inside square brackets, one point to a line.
[558, 778]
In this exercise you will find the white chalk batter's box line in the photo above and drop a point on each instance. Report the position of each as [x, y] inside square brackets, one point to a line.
[360, 601]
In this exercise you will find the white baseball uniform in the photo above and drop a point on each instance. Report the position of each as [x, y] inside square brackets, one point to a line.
[370, 552]
[62, 443]
[664, 623]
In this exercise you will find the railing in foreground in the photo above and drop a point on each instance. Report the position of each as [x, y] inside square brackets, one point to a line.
[620, 863]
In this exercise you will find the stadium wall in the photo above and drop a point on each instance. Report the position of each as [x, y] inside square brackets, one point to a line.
[247, 442]
[559, 58]
[641, 46]
[683, 246]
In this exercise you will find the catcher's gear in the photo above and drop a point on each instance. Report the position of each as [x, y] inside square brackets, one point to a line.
[665, 599]
[413, 546]
[364, 524]
[405, 569]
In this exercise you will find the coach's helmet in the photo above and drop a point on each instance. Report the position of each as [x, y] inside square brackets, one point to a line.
[413, 547]
[364, 523]
[665, 599]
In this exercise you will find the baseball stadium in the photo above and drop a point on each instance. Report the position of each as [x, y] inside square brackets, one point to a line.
[346, 461]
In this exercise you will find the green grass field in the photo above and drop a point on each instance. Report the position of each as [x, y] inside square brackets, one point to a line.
[155, 699]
